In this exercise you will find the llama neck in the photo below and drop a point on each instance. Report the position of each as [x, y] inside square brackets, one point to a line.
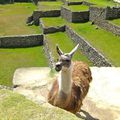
[65, 80]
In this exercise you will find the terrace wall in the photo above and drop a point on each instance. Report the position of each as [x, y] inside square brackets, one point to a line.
[70, 16]
[38, 14]
[66, 14]
[108, 26]
[48, 54]
[21, 41]
[104, 13]
[52, 29]
[95, 56]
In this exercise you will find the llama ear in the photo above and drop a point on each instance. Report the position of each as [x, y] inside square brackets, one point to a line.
[74, 50]
[59, 51]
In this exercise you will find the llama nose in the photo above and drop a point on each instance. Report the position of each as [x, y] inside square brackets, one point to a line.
[58, 67]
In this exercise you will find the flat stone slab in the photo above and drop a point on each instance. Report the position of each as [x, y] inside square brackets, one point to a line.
[102, 101]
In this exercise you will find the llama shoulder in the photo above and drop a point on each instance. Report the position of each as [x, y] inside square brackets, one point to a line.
[81, 71]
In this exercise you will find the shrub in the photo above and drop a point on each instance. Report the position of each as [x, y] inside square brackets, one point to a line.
[6, 1]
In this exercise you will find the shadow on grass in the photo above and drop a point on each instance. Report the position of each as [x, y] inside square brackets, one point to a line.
[85, 115]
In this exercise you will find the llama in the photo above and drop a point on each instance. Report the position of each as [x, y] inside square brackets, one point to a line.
[72, 83]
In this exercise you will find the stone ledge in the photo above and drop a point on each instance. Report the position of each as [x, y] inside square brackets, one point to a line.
[95, 56]
[51, 29]
[19, 41]
[38, 14]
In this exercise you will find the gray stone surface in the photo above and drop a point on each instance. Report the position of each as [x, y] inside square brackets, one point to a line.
[66, 14]
[70, 16]
[21, 41]
[104, 13]
[102, 101]
[94, 55]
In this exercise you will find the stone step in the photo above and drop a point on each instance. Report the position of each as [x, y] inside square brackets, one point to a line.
[52, 25]
[103, 98]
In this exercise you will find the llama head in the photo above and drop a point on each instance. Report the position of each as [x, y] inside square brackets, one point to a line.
[64, 61]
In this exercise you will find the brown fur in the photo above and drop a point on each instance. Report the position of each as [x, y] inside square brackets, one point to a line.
[81, 77]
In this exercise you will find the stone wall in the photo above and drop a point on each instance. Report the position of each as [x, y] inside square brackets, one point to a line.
[21, 41]
[66, 14]
[95, 56]
[70, 16]
[97, 13]
[82, 16]
[108, 26]
[48, 53]
[38, 14]
[104, 13]
[112, 13]
[51, 29]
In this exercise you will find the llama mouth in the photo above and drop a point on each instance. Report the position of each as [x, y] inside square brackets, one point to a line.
[58, 69]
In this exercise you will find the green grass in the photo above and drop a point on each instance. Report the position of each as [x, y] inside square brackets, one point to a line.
[74, 0]
[103, 2]
[53, 21]
[106, 42]
[16, 107]
[116, 21]
[11, 59]
[45, 6]
[66, 44]
[78, 8]
[13, 19]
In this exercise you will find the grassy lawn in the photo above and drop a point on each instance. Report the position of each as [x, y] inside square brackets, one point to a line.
[74, 0]
[14, 106]
[13, 19]
[77, 8]
[103, 2]
[116, 21]
[53, 21]
[44, 6]
[11, 59]
[106, 42]
[65, 44]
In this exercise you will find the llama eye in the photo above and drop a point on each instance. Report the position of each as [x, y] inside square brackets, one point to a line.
[67, 60]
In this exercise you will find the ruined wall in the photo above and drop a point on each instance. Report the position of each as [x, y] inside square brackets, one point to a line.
[104, 13]
[38, 14]
[70, 16]
[95, 56]
[21, 41]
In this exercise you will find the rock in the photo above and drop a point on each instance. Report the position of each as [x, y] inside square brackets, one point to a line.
[103, 98]
[29, 20]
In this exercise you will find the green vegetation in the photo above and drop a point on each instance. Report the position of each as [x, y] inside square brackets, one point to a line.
[106, 42]
[16, 107]
[44, 6]
[116, 21]
[77, 8]
[74, 0]
[103, 2]
[13, 17]
[65, 44]
[53, 21]
[11, 59]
